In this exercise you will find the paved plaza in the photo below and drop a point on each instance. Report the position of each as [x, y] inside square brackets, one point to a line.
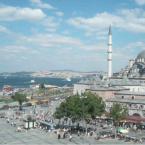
[8, 135]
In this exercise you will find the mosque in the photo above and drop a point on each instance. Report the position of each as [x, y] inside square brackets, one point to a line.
[135, 68]
[126, 87]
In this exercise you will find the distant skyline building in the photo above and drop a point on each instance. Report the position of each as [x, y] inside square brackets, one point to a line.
[109, 52]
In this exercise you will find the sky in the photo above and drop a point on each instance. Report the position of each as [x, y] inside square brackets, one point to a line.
[43, 35]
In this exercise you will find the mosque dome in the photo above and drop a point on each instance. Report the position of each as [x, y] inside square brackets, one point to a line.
[141, 54]
[141, 57]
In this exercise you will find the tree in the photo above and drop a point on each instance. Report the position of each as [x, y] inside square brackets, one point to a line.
[94, 104]
[118, 113]
[42, 86]
[77, 107]
[42, 89]
[20, 98]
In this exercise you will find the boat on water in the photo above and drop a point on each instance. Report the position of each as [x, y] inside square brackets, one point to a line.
[32, 81]
[68, 79]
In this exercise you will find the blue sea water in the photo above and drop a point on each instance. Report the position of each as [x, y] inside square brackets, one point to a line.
[25, 81]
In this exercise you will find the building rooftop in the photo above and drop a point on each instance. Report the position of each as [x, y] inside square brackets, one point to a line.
[135, 101]
[103, 88]
[141, 55]
[126, 92]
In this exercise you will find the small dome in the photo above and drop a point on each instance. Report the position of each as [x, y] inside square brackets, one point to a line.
[141, 55]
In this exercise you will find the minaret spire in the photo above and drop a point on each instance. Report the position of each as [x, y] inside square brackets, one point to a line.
[110, 31]
[109, 52]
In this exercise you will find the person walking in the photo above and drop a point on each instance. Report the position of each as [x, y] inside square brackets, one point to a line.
[70, 138]
[58, 134]
[78, 133]
[64, 134]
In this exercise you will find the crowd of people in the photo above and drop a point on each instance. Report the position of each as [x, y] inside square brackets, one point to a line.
[66, 129]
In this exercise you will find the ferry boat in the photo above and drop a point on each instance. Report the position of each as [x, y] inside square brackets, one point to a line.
[32, 81]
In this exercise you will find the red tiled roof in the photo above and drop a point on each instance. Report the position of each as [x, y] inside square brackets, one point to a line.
[134, 119]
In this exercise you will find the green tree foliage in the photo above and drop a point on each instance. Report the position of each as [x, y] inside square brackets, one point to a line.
[20, 98]
[118, 113]
[79, 107]
[42, 86]
[42, 89]
[94, 104]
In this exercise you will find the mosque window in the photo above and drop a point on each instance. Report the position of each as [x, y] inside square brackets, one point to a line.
[122, 97]
[132, 97]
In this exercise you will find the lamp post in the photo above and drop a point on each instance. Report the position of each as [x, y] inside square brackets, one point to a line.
[83, 97]
[65, 115]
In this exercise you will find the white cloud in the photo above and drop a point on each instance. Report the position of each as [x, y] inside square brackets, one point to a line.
[132, 20]
[16, 13]
[94, 24]
[59, 13]
[128, 51]
[13, 49]
[140, 2]
[3, 29]
[56, 41]
[49, 40]
[51, 24]
[41, 4]
[139, 45]
[48, 48]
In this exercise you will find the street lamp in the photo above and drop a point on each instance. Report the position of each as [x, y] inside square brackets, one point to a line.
[82, 98]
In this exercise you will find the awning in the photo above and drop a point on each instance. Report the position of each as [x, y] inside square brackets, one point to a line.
[133, 119]
[122, 130]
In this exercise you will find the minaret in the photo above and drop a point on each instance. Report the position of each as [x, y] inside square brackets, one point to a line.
[109, 53]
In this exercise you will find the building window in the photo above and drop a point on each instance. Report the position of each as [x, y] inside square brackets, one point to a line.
[122, 97]
[132, 97]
